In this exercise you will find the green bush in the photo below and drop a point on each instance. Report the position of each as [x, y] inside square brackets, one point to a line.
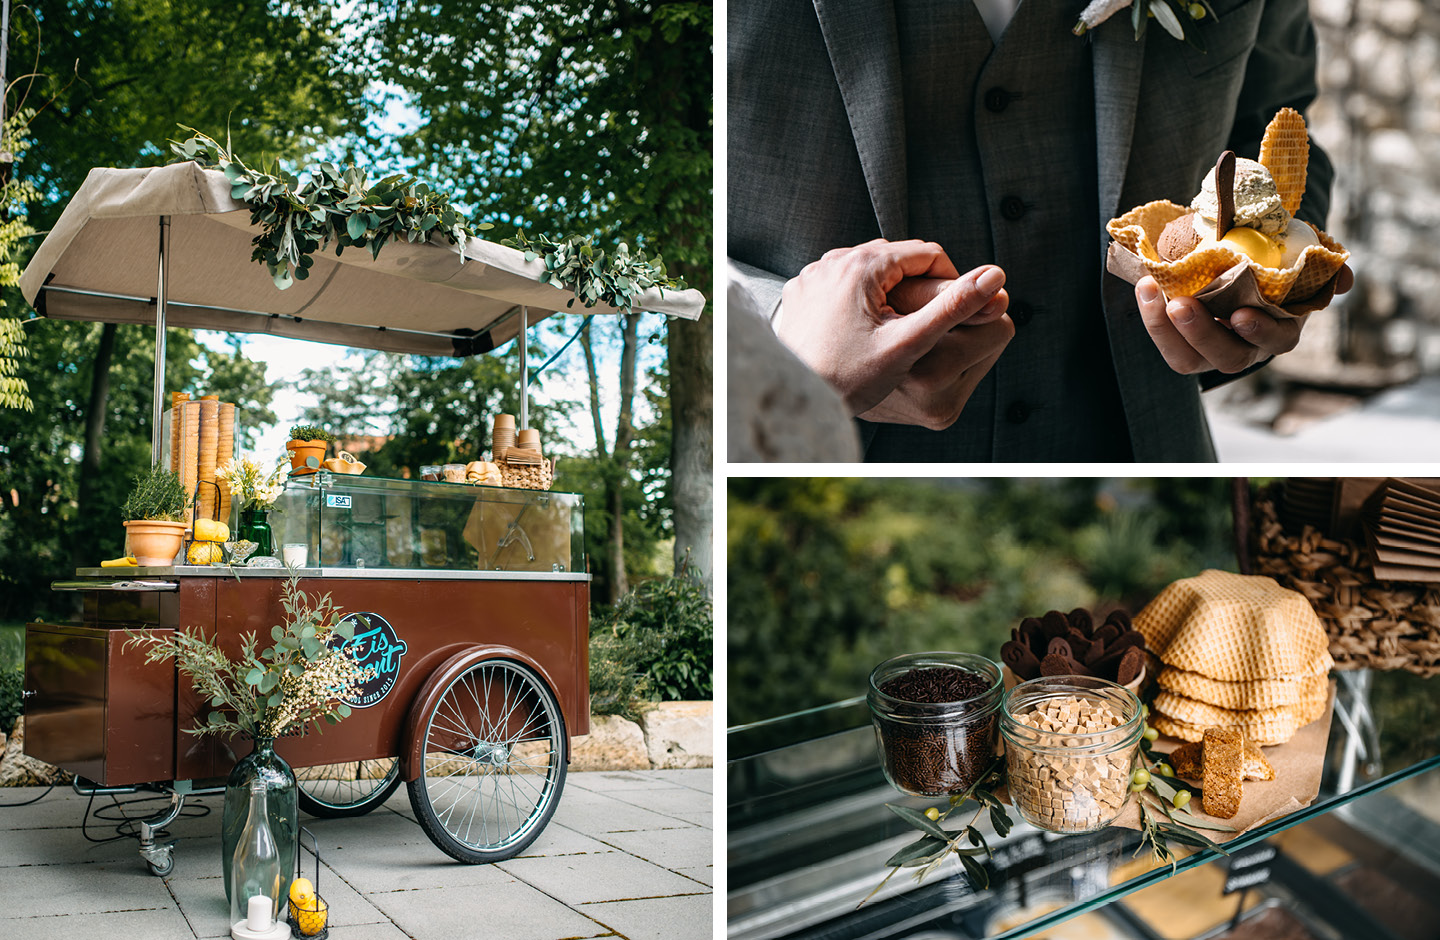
[12, 680]
[657, 642]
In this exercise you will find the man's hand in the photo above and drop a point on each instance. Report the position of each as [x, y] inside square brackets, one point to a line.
[1193, 341]
[884, 343]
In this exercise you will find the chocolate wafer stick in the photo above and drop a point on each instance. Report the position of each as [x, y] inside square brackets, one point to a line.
[1225, 193]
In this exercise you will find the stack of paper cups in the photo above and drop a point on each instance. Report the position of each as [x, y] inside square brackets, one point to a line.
[503, 437]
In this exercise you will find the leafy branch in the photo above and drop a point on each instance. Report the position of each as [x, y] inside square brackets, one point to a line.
[336, 206]
[332, 205]
[298, 681]
[936, 843]
[575, 263]
[1163, 816]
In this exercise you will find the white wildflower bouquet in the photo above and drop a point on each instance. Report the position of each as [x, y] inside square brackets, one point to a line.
[298, 682]
[250, 485]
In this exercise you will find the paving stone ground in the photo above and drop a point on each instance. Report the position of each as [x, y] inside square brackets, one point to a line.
[627, 854]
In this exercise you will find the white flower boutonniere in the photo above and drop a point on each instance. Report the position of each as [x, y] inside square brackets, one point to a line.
[1177, 17]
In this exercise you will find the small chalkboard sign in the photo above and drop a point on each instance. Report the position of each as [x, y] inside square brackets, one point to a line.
[1249, 867]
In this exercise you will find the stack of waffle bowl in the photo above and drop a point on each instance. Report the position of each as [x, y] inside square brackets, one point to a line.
[202, 439]
[1219, 276]
[1237, 652]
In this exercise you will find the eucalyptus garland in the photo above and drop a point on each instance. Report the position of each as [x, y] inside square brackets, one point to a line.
[336, 206]
[577, 264]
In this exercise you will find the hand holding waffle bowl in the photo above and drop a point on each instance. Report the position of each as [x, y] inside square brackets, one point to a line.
[1238, 244]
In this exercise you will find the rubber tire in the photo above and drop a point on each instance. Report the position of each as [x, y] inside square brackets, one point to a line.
[164, 869]
[360, 807]
[535, 823]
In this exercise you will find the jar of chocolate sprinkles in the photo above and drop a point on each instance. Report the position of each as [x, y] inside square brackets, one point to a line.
[934, 716]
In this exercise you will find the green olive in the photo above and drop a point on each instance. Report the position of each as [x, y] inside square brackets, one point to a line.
[1196, 11]
[1144, 711]
[1180, 799]
[1164, 769]
[956, 799]
[1151, 734]
[1136, 787]
[932, 813]
[1141, 776]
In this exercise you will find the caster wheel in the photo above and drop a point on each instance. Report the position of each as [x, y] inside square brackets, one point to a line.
[163, 867]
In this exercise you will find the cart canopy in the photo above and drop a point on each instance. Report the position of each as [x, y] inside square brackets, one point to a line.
[100, 261]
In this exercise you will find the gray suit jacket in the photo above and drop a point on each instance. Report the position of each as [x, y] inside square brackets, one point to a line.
[817, 151]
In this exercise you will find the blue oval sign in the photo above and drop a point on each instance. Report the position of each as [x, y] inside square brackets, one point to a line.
[377, 645]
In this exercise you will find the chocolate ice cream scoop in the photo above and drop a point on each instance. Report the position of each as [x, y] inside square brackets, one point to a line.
[1179, 238]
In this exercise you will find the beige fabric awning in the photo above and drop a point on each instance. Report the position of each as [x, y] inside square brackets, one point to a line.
[106, 245]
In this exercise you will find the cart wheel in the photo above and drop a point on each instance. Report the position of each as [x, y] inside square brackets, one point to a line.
[163, 866]
[494, 763]
[357, 788]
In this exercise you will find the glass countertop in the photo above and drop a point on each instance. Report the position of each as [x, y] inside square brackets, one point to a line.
[809, 832]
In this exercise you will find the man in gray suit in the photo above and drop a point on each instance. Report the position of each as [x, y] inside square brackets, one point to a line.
[879, 148]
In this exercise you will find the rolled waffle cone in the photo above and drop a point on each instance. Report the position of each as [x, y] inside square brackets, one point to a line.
[1285, 152]
[226, 453]
[1233, 627]
[1138, 233]
[189, 446]
[1255, 694]
[175, 399]
[207, 497]
[1265, 726]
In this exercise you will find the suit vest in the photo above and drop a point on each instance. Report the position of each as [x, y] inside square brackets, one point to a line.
[1001, 168]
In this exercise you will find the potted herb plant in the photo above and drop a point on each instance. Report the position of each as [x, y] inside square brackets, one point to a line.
[298, 682]
[154, 515]
[306, 444]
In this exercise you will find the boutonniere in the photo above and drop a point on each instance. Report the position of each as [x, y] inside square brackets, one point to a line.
[1176, 17]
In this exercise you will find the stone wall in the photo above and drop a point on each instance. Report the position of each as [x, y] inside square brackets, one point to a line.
[1378, 116]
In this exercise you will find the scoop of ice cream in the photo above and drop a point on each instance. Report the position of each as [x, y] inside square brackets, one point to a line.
[1178, 238]
[1296, 237]
[1257, 204]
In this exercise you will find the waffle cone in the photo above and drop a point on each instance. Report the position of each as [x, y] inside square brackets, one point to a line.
[1255, 694]
[1265, 726]
[226, 423]
[1259, 733]
[1138, 233]
[1233, 627]
[1285, 152]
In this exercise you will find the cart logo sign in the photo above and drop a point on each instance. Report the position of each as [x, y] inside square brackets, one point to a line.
[377, 645]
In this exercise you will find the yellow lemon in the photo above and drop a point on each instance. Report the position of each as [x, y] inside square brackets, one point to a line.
[208, 530]
[302, 891]
[204, 553]
[311, 918]
[1255, 245]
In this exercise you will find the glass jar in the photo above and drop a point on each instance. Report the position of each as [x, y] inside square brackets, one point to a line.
[255, 527]
[1070, 744]
[940, 748]
[256, 869]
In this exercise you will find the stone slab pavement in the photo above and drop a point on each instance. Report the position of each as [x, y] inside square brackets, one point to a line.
[627, 854]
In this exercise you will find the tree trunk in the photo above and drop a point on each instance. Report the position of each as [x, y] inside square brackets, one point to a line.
[94, 437]
[619, 476]
[590, 370]
[692, 452]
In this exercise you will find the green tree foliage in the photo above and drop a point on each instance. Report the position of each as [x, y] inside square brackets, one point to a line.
[829, 577]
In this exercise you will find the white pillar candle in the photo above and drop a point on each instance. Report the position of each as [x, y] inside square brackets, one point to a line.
[258, 915]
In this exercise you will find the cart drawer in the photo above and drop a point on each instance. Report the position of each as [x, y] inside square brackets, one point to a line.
[98, 710]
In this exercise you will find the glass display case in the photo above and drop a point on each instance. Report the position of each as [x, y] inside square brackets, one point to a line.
[330, 520]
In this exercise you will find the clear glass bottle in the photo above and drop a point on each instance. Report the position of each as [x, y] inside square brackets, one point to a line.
[257, 867]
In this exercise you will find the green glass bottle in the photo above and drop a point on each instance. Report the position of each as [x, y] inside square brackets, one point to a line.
[256, 868]
[255, 527]
[282, 804]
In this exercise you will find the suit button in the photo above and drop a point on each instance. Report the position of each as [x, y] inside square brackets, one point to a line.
[1021, 313]
[997, 99]
[1012, 208]
[1018, 412]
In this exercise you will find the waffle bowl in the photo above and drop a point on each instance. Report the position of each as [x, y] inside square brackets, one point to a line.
[1220, 277]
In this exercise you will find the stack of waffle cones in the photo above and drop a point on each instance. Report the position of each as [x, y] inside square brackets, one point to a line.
[1307, 284]
[1237, 652]
[202, 439]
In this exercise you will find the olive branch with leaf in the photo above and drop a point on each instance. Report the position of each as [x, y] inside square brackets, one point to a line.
[335, 205]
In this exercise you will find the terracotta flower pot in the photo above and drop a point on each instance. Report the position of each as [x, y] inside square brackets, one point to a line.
[300, 451]
[154, 543]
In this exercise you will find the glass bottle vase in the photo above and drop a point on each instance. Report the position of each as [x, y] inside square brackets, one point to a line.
[255, 527]
[256, 869]
[282, 809]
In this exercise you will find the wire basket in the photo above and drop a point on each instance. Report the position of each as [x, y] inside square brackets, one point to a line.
[309, 922]
[1372, 624]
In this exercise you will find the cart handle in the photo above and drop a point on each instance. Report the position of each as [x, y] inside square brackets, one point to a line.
[114, 586]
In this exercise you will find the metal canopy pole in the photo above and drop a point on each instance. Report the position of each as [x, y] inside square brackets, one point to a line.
[524, 372]
[160, 291]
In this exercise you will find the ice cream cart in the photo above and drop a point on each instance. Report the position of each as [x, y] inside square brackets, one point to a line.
[474, 598]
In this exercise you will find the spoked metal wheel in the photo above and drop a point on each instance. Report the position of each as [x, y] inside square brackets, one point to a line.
[494, 763]
[349, 789]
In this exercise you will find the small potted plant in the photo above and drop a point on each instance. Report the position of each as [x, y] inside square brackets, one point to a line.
[154, 517]
[307, 444]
